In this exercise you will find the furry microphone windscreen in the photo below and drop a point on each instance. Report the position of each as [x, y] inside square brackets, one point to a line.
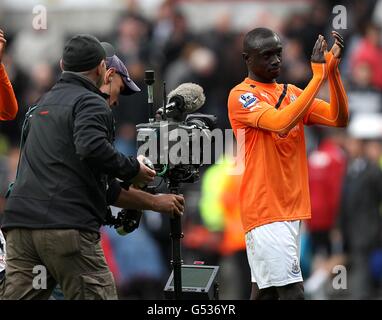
[192, 94]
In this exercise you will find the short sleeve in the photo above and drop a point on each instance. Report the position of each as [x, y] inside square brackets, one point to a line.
[245, 108]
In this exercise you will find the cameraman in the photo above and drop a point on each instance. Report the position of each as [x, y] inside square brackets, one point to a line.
[118, 82]
[62, 189]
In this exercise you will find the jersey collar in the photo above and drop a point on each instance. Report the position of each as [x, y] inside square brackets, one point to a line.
[272, 85]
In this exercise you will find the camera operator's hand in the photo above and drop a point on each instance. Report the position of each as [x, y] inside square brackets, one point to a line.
[145, 174]
[171, 204]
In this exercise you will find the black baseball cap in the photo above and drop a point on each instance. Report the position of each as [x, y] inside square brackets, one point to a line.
[112, 61]
[83, 52]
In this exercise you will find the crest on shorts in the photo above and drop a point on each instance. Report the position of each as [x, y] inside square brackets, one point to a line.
[295, 267]
[247, 99]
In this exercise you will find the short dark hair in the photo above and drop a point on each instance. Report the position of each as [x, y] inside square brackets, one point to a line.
[253, 37]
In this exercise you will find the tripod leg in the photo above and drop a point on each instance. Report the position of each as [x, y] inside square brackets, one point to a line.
[176, 235]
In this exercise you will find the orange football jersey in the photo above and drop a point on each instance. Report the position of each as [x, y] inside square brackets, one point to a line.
[275, 180]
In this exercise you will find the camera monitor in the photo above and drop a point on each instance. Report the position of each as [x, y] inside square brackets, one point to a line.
[198, 282]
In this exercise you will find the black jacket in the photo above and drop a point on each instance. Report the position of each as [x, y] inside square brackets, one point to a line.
[67, 161]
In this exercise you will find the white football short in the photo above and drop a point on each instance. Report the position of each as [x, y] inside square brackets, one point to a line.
[273, 252]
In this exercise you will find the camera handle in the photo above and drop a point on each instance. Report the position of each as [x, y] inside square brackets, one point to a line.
[176, 234]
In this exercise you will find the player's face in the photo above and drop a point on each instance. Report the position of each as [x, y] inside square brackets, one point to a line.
[265, 60]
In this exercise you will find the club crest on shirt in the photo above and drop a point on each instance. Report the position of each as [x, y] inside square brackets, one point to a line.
[292, 98]
[247, 100]
[295, 267]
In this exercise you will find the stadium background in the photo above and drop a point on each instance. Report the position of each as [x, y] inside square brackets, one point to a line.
[200, 41]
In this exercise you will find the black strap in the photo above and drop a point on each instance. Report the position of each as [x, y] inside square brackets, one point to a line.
[282, 96]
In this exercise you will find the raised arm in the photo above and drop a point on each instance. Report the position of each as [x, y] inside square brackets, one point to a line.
[335, 113]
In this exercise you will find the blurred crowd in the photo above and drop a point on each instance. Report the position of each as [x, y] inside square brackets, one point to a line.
[345, 165]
